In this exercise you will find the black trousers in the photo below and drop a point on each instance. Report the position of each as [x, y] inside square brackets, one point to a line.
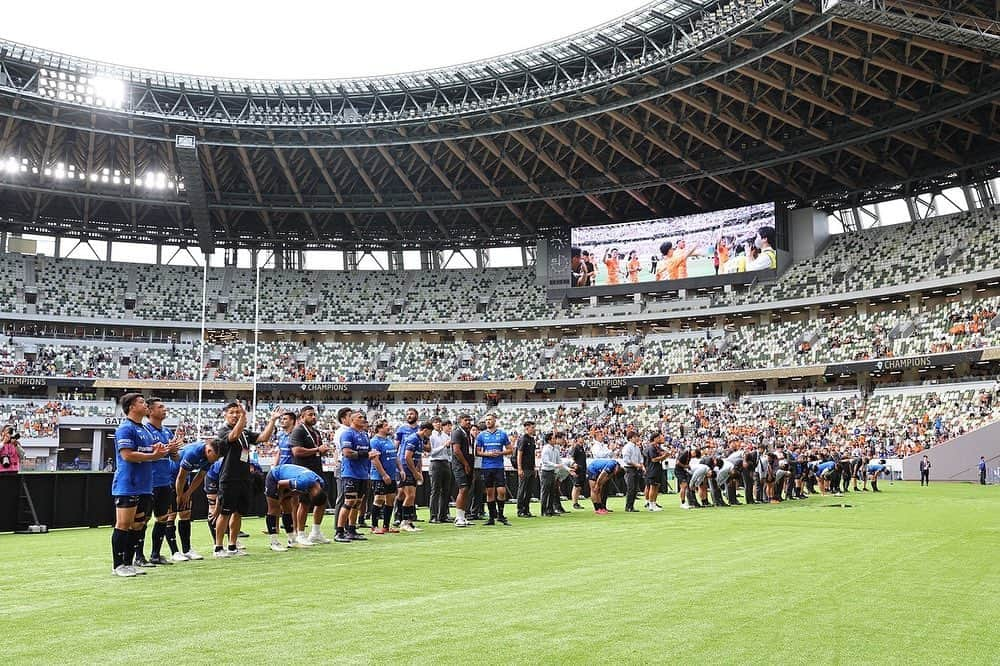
[982, 477]
[633, 481]
[925, 477]
[748, 476]
[548, 492]
[478, 498]
[441, 484]
[525, 487]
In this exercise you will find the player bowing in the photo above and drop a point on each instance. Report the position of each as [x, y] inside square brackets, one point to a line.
[283, 481]
[599, 472]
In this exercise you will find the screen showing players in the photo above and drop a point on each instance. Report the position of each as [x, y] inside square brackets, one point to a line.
[675, 248]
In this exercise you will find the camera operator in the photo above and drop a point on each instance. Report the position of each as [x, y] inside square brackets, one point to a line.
[11, 453]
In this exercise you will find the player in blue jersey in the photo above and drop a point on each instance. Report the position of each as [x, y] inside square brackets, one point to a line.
[384, 477]
[492, 445]
[412, 473]
[283, 451]
[212, 495]
[132, 486]
[282, 482]
[599, 472]
[876, 469]
[824, 472]
[164, 475]
[202, 460]
[402, 432]
[355, 467]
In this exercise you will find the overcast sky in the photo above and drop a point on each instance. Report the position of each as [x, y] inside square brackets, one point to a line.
[268, 39]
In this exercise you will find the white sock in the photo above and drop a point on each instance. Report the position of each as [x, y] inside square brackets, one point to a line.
[315, 530]
[460, 513]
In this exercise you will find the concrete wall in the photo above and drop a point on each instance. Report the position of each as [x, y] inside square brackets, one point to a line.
[958, 460]
[809, 229]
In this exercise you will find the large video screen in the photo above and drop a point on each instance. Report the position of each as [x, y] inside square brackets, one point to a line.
[675, 248]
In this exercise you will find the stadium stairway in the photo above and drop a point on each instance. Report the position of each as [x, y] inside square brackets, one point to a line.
[958, 459]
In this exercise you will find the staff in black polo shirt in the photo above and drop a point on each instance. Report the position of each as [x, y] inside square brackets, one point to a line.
[308, 449]
[526, 446]
[462, 460]
[235, 489]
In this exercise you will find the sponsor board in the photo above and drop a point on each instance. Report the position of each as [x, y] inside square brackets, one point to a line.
[905, 363]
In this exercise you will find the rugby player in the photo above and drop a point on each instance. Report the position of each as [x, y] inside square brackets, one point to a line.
[282, 481]
[412, 475]
[599, 472]
[384, 477]
[202, 460]
[132, 485]
[402, 432]
[492, 445]
[355, 468]
[164, 473]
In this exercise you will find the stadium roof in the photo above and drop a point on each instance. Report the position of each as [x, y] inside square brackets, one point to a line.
[681, 105]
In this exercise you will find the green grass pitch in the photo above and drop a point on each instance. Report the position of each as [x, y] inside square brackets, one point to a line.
[910, 576]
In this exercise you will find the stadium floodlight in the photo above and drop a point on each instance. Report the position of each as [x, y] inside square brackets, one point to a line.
[108, 92]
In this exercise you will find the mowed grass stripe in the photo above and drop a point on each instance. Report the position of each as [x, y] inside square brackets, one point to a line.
[908, 575]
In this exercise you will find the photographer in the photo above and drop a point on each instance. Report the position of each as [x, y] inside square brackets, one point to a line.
[11, 452]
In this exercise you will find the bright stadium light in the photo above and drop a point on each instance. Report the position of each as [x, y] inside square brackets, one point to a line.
[108, 92]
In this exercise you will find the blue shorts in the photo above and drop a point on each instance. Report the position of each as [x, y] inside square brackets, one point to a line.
[493, 478]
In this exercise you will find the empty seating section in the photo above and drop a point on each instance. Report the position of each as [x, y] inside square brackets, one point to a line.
[78, 288]
[899, 254]
[947, 326]
[11, 279]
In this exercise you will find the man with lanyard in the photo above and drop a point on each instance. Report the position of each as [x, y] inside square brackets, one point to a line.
[440, 470]
[132, 486]
[492, 445]
[199, 459]
[402, 432]
[164, 474]
[526, 446]
[235, 488]
[284, 480]
[412, 475]
[634, 470]
[307, 449]
[462, 459]
[355, 467]
[384, 477]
